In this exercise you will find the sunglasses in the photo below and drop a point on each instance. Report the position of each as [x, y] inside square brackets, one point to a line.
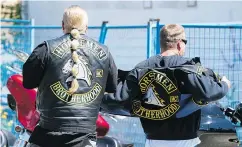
[184, 40]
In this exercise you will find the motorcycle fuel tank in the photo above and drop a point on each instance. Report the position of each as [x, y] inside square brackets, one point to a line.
[25, 102]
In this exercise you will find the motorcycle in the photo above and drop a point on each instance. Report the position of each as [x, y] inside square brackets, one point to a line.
[220, 128]
[23, 100]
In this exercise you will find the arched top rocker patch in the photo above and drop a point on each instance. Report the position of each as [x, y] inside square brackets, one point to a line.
[160, 97]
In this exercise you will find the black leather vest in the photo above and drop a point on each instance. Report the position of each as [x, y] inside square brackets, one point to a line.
[160, 96]
[61, 111]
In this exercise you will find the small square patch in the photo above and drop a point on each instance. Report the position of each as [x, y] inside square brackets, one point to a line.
[99, 73]
[174, 99]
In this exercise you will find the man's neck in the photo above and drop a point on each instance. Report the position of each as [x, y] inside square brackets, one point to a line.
[170, 52]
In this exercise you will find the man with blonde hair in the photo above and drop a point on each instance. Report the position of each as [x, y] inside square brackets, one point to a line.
[173, 40]
[159, 89]
[71, 72]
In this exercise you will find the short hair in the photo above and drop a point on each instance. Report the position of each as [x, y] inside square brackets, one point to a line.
[75, 17]
[170, 34]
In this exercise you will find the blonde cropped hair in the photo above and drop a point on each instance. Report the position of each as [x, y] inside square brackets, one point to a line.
[75, 17]
[170, 34]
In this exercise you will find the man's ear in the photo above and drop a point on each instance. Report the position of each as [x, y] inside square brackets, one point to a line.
[63, 28]
[86, 29]
[179, 46]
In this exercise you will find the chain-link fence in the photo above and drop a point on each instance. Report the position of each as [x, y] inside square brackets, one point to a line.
[218, 46]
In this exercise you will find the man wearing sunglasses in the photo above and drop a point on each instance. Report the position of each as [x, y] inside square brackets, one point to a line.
[159, 95]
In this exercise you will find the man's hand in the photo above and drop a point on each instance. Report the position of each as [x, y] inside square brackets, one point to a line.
[226, 81]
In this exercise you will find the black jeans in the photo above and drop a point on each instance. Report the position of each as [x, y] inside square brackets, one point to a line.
[46, 138]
